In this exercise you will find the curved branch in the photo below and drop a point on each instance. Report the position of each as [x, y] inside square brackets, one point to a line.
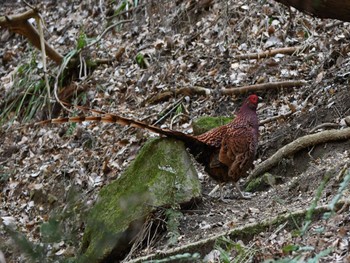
[299, 144]
[19, 24]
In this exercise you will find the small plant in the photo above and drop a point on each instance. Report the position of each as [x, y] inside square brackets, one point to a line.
[297, 249]
[141, 61]
[227, 248]
[27, 95]
[173, 222]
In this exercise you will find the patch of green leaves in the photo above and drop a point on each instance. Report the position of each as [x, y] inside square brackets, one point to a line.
[141, 60]
[121, 7]
[82, 41]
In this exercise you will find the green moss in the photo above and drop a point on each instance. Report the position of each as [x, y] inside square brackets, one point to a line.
[162, 174]
[204, 124]
[262, 182]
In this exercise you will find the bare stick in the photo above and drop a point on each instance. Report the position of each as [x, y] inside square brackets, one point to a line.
[275, 118]
[108, 29]
[263, 86]
[270, 53]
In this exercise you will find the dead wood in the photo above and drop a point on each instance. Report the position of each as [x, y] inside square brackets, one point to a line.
[269, 53]
[299, 144]
[19, 24]
[206, 245]
[201, 91]
[185, 91]
[263, 86]
[275, 118]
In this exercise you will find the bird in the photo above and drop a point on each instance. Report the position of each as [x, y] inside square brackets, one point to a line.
[227, 152]
[236, 145]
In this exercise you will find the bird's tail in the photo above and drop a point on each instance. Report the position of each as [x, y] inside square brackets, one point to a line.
[113, 118]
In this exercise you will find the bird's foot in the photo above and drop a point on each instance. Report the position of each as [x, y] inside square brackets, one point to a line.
[246, 195]
[226, 200]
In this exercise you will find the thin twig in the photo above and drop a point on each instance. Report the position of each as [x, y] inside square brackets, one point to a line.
[106, 31]
[270, 53]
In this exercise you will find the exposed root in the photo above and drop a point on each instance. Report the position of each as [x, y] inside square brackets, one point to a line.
[299, 144]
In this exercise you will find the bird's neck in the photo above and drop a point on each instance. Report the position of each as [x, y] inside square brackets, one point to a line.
[249, 115]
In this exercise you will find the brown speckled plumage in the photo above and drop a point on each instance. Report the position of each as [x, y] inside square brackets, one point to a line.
[227, 152]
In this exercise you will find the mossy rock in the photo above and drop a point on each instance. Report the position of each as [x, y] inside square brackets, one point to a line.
[262, 182]
[204, 124]
[161, 175]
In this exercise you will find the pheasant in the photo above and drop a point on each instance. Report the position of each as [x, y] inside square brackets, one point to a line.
[227, 152]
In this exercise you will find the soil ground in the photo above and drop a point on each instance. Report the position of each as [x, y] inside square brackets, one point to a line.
[55, 172]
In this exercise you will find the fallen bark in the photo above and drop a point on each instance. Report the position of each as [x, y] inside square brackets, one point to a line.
[297, 145]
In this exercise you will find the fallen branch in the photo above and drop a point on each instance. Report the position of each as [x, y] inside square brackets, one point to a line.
[270, 53]
[20, 25]
[185, 91]
[201, 91]
[275, 118]
[247, 231]
[297, 145]
[263, 86]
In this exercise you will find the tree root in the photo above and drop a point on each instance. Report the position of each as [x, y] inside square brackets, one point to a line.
[297, 145]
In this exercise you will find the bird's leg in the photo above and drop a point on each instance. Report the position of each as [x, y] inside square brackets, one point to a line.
[244, 195]
[222, 196]
[214, 190]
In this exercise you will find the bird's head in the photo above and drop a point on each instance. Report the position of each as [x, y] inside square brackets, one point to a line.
[252, 101]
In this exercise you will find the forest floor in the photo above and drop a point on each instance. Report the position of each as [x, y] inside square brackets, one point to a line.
[54, 173]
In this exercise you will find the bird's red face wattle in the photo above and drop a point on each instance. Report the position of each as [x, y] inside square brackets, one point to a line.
[252, 101]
